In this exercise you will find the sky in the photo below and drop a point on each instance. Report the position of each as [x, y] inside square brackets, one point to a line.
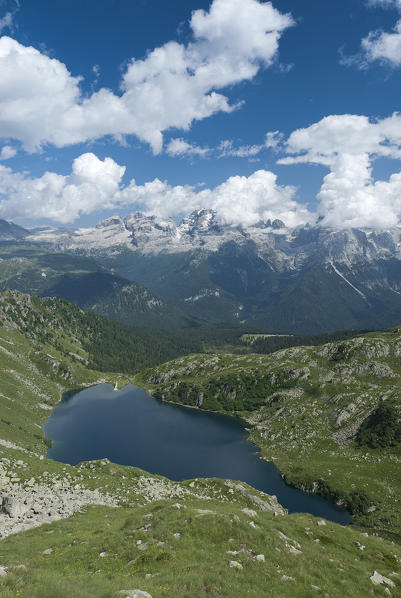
[258, 110]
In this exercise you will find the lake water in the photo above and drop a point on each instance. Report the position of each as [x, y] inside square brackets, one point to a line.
[131, 428]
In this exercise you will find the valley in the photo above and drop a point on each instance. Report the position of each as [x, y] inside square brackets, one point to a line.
[241, 323]
[106, 527]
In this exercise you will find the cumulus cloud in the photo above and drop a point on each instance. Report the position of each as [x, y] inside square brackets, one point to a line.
[174, 85]
[91, 186]
[97, 185]
[347, 144]
[239, 200]
[379, 46]
[383, 46]
[180, 148]
[7, 152]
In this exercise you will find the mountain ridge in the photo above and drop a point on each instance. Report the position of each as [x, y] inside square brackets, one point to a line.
[304, 280]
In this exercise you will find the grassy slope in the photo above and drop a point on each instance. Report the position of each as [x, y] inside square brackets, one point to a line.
[211, 521]
[31, 269]
[305, 405]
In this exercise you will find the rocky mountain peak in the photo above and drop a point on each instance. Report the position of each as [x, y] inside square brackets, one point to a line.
[200, 222]
[111, 222]
[150, 229]
[277, 224]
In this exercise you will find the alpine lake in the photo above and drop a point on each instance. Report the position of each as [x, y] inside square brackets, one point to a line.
[129, 427]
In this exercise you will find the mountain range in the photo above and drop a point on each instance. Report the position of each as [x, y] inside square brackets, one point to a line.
[303, 280]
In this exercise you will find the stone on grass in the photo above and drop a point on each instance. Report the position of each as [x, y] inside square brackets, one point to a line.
[235, 565]
[48, 551]
[177, 535]
[378, 579]
[293, 550]
[102, 554]
[321, 522]
[134, 594]
[260, 558]
[249, 512]
[3, 571]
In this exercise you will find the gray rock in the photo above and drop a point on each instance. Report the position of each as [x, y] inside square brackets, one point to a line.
[249, 512]
[378, 579]
[134, 594]
[13, 507]
[235, 565]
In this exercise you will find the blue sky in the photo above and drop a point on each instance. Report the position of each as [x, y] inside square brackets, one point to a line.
[322, 79]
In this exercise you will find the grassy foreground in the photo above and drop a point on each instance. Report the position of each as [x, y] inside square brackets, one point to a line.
[186, 552]
[193, 538]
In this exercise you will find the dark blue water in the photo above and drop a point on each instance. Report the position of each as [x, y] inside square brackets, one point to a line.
[131, 428]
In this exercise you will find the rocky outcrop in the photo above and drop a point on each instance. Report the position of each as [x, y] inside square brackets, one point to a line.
[35, 502]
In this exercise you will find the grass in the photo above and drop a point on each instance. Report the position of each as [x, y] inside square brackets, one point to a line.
[196, 563]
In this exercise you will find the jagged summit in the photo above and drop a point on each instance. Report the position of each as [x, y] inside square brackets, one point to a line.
[200, 222]
[150, 234]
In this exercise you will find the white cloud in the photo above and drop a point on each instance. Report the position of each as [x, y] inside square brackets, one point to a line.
[347, 144]
[180, 147]
[385, 3]
[97, 185]
[383, 46]
[273, 139]
[7, 152]
[323, 141]
[350, 198]
[6, 22]
[239, 200]
[175, 84]
[92, 185]
[379, 45]
[227, 149]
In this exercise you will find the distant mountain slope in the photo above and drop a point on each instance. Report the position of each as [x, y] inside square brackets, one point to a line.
[109, 346]
[11, 232]
[91, 286]
[303, 280]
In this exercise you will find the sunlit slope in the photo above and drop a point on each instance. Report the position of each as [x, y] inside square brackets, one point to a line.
[306, 405]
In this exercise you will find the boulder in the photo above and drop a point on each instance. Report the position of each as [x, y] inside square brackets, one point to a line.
[13, 507]
[134, 594]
